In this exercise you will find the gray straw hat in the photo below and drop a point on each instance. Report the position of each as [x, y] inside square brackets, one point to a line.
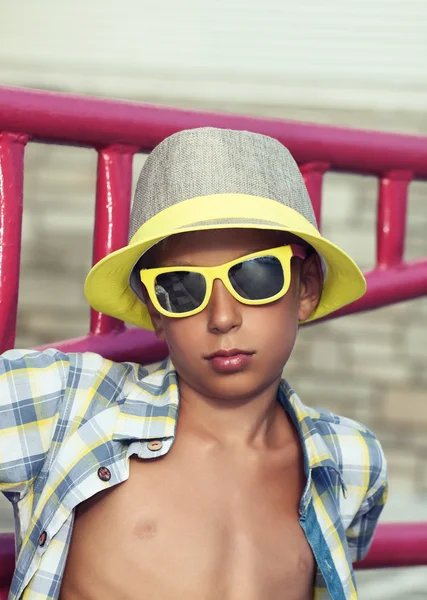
[210, 178]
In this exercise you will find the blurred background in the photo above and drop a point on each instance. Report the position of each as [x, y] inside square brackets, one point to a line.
[360, 63]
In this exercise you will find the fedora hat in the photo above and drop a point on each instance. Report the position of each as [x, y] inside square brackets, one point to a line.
[208, 178]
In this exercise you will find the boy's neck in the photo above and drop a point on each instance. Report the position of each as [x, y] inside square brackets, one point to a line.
[257, 421]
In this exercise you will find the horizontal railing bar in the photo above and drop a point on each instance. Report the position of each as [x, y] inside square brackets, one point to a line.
[397, 545]
[98, 122]
[406, 281]
[130, 345]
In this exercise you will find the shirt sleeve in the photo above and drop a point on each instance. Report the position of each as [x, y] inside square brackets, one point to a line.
[32, 389]
[361, 530]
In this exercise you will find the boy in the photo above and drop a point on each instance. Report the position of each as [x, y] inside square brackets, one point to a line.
[247, 494]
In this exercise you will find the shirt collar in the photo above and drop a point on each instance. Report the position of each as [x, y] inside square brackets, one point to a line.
[305, 419]
[151, 405]
[150, 408]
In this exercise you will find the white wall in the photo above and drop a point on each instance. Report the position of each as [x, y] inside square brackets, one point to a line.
[349, 53]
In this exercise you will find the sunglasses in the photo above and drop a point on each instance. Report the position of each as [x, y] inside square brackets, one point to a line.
[255, 279]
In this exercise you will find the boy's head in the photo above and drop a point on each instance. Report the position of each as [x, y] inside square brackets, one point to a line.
[206, 197]
[259, 335]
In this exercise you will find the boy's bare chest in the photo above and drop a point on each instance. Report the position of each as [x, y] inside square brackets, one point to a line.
[195, 527]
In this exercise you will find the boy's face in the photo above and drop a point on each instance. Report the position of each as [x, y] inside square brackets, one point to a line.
[265, 332]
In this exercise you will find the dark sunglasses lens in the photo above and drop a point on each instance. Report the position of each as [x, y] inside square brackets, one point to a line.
[257, 278]
[180, 291]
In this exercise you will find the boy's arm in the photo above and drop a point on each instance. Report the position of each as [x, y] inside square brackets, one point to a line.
[32, 388]
[361, 530]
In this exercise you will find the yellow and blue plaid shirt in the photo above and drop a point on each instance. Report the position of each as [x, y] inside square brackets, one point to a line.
[65, 417]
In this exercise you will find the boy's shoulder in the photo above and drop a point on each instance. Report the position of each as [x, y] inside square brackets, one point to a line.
[74, 376]
[327, 420]
[85, 363]
[357, 443]
[323, 420]
[339, 442]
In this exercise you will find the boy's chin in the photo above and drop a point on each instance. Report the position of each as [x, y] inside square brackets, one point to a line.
[237, 388]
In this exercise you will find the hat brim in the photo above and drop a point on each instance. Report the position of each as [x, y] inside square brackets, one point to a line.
[107, 286]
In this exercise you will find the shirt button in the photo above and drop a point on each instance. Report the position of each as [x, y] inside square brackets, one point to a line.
[104, 474]
[42, 539]
[154, 445]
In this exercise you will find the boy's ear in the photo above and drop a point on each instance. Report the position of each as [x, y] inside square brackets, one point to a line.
[155, 316]
[310, 288]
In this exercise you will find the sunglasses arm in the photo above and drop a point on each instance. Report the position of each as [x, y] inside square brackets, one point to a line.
[299, 251]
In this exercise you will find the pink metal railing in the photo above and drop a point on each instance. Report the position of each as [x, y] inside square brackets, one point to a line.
[117, 130]
[11, 189]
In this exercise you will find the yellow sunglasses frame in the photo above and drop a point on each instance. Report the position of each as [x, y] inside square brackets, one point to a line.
[282, 253]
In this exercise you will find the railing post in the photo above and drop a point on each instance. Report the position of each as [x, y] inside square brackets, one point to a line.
[112, 211]
[313, 177]
[12, 147]
[391, 218]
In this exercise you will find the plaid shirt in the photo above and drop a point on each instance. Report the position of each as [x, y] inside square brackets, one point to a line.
[64, 417]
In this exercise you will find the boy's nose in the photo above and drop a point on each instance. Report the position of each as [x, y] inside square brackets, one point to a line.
[224, 311]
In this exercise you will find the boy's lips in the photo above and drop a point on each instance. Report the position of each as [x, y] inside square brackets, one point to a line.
[227, 353]
[230, 361]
